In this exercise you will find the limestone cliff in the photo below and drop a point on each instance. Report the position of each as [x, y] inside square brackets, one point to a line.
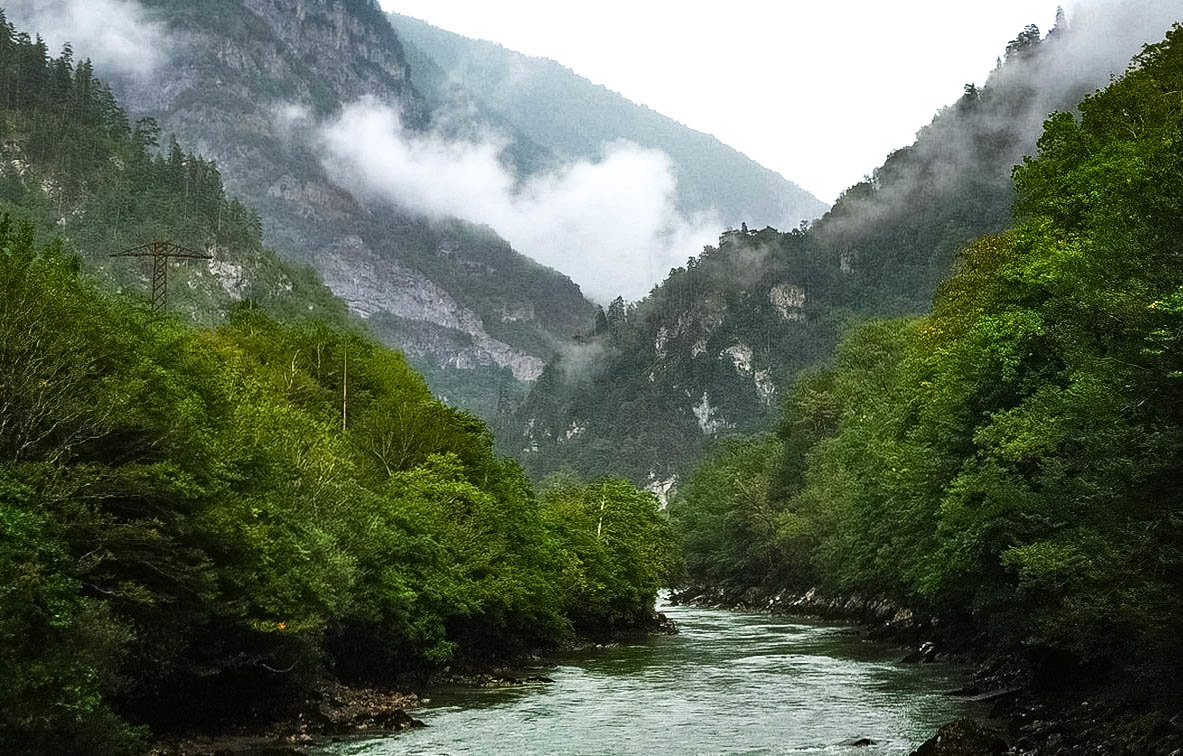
[236, 67]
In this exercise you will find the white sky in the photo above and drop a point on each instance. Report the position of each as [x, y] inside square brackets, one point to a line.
[819, 91]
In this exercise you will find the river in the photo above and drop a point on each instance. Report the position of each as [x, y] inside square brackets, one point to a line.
[729, 682]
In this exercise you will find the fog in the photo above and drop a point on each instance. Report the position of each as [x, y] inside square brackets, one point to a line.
[984, 142]
[610, 224]
[119, 36]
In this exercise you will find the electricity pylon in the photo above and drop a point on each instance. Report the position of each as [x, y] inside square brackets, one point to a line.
[161, 252]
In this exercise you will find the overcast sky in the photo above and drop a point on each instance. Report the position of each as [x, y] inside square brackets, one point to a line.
[819, 91]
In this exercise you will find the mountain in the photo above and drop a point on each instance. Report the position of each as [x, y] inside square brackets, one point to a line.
[76, 170]
[254, 85]
[551, 112]
[477, 317]
[712, 349]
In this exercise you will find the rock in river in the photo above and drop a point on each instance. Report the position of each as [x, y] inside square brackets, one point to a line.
[964, 737]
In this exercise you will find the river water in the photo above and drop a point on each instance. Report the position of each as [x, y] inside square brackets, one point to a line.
[728, 683]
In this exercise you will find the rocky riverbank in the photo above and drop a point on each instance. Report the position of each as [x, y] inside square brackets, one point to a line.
[336, 711]
[1049, 705]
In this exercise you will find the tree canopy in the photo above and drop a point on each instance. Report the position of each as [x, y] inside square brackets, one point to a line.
[1011, 460]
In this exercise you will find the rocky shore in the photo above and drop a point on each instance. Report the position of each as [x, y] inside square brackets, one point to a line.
[337, 711]
[1048, 706]
[334, 712]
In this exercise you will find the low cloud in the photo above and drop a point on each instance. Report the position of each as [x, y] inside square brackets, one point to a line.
[983, 143]
[117, 35]
[610, 224]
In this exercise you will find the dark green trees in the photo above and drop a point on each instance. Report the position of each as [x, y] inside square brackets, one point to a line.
[1011, 460]
[190, 517]
[71, 163]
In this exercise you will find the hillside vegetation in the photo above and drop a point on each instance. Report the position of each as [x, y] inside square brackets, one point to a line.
[72, 163]
[1008, 464]
[467, 309]
[713, 350]
[201, 522]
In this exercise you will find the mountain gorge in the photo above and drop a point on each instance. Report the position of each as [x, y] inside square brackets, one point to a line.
[381, 438]
[711, 350]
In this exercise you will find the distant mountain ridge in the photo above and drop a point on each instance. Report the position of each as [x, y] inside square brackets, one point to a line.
[551, 112]
[478, 318]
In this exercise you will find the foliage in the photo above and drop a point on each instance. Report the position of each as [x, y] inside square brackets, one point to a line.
[617, 550]
[727, 520]
[881, 251]
[194, 516]
[1011, 460]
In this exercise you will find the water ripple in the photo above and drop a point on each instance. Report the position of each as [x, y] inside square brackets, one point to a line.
[729, 683]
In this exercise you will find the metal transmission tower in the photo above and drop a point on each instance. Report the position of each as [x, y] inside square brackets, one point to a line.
[161, 252]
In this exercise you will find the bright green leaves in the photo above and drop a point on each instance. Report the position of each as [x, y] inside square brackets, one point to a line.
[188, 510]
[616, 549]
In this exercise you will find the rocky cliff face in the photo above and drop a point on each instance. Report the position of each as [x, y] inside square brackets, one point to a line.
[236, 68]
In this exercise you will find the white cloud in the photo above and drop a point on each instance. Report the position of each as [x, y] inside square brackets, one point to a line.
[118, 35]
[611, 224]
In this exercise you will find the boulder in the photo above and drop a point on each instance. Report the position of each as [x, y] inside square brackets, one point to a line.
[397, 720]
[964, 737]
[923, 655]
[664, 625]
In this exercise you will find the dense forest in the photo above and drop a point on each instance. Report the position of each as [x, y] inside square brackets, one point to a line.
[200, 521]
[1008, 464]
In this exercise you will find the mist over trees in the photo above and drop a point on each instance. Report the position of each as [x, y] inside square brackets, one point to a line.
[713, 349]
[1009, 462]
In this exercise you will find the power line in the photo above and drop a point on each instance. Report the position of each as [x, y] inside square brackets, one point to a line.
[161, 252]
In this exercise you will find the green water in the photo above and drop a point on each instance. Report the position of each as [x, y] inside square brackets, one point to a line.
[728, 683]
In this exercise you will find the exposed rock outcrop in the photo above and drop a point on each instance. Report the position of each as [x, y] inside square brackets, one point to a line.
[243, 90]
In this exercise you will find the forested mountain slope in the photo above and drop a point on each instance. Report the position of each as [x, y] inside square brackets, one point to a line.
[456, 298]
[1008, 466]
[203, 524]
[709, 351]
[549, 106]
[74, 166]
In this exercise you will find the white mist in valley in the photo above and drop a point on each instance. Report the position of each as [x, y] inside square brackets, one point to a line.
[983, 142]
[118, 36]
[610, 224]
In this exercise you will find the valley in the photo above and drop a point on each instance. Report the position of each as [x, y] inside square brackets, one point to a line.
[473, 358]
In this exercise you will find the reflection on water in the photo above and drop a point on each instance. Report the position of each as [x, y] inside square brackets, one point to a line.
[728, 683]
